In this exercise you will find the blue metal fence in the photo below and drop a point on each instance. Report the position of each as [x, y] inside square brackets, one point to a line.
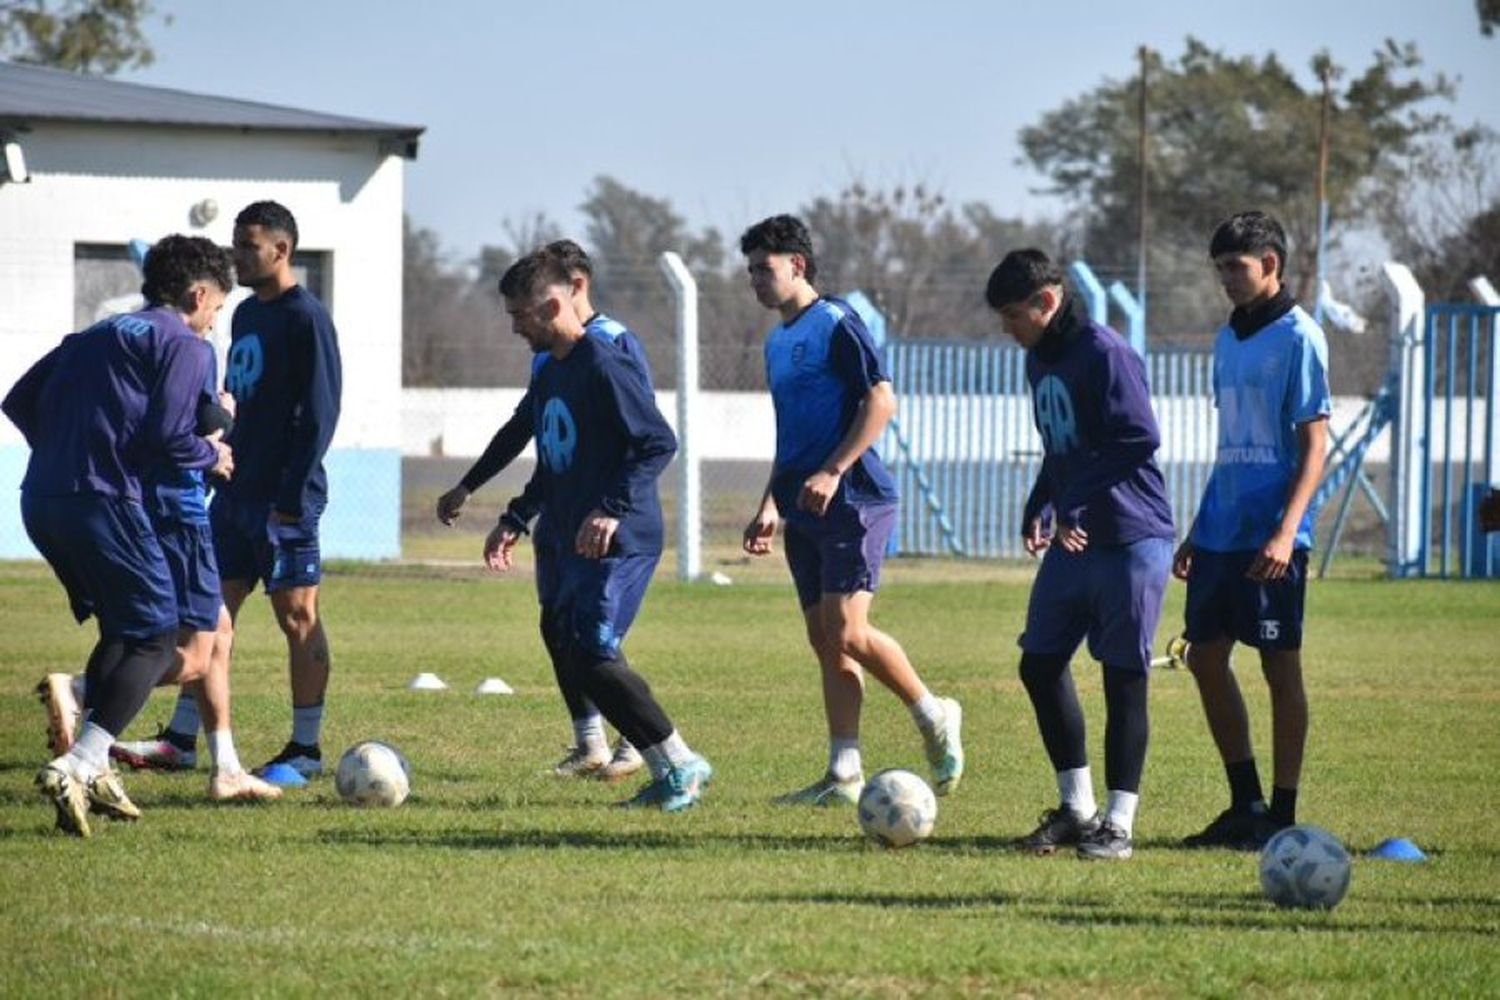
[965, 452]
[1458, 449]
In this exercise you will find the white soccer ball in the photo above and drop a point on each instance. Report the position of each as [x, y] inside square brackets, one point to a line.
[373, 774]
[1304, 867]
[897, 809]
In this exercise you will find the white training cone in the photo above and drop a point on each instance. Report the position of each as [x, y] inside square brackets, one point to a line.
[427, 682]
[494, 685]
[720, 579]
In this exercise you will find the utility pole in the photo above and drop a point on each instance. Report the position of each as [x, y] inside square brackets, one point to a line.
[1140, 260]
[1325, 73]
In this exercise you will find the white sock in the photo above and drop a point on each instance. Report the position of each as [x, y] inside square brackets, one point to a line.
[676, 750]
[307, 723]
[588, 733]
[222, 753]
[843, 759]
[1076, 788]
[90, 754]
[657, 761]
[185, 718]
[1122, 810]
[927, 711]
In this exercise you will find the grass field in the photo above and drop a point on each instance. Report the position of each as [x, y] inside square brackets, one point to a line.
[497, 879]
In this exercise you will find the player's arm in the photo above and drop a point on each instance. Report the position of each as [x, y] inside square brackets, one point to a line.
[21, 402]
[856, 362]
[1312, 452]
[170, 424]
[1037, 516]
[1128, 434]
[318, 382]
[762, 527]
[509, 441]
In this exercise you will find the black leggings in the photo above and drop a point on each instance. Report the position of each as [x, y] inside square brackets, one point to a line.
[1059, 716]
[121, 674]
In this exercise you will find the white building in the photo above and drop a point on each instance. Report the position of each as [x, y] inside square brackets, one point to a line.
[92, 164]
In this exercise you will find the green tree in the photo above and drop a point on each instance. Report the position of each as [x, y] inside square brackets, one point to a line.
[84, 36]
[1229, 133]
[1489, 16]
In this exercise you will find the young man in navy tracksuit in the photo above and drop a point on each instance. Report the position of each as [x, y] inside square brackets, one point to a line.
[99, 411]
[601, 444]
[1099, 511]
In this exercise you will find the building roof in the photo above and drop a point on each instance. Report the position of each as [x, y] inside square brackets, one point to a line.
[37, 93]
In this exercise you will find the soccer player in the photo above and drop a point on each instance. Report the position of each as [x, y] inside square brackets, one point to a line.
[98, 411]
[1245, 559]
[589, 755]
[285, 375]
[833, 399]
[601, 444]
[1099, 511]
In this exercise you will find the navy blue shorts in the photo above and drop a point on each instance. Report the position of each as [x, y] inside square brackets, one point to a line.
[1110, 593]
[189, 551]
[251, 545]
[598, 599]
[108, 559]
[840, 552]
[1223, 604]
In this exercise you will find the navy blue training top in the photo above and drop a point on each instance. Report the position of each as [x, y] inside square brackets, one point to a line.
[601, 443]
[286, 377]
[111, 402]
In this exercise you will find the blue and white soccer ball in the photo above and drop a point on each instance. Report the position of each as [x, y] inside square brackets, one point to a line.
[897, 809]
[1304, 867]
[373, 774]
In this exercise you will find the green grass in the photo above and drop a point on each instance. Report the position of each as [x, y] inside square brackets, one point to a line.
[496, 879]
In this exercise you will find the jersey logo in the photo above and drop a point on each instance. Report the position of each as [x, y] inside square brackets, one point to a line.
[131, 326]
[1270, 629]
[247, 362]
[559, 437]
[1055, 416]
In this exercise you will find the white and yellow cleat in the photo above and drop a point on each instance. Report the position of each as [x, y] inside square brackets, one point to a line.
[56, 693]
[582, 762]
[240, 786]
[68, 795]
[625, 761]
[106, 795]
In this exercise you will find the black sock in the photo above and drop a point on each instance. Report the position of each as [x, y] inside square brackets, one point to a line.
[1283, 805]
[1127, 729]
[622, 696]
[1049, 682]
[1244, 783]
[554, 637]
[124, 690]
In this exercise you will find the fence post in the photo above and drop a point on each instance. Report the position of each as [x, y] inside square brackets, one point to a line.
[689, 478]
[1091, 291]
[1406, 530]
[1485, 292]
[1135, 316]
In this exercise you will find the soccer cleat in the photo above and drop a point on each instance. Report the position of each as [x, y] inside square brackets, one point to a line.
[1238, 828]
[826, 792]
[626, 761]
[159, 753]
[106, 795]
[680, 788]
[240, 786]
[945, 748]
[56, 693]
[67, 795]
[582, 762]
[1106, 843]
[1060, 827]
[305, 759]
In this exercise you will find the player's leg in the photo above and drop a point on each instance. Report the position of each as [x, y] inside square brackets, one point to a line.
[852, 550]
[589, 751]
[228, 781]
[1281, 605]
[1056, 619]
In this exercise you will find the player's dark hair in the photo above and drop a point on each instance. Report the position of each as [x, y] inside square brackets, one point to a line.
[269, 215]
[1251, 233]
[532, 273]
[782, 234]
[175, 263]
[1019, 276]
[572, 256]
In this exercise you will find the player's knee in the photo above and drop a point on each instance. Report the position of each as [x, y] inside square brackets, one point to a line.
[1038, 670]
[298, 621]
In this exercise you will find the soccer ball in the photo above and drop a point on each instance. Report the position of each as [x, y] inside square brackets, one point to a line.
[373, 774]
[897, 809]
[1304, 867]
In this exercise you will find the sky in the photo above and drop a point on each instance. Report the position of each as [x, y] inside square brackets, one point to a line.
[735, 111]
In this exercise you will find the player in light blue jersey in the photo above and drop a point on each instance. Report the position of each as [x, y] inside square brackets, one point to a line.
[833, 400]
[1245, 559]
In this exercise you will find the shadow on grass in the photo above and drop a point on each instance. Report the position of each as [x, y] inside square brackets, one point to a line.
[511, 840]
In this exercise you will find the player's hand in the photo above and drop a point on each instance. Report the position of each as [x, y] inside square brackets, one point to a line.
[595, 534]
[451, 504]
[1489, 512]
[817, 492]
[1072, 537]
[1036, 540]
[499, 547]
[1182, 560]
[1272, 561]
[759, 533]
[226, 400]
[224, 464]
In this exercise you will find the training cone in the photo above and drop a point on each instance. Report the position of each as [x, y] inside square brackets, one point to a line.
[494, 685]
[283, 776]
[427, 682]
[1397, 849]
